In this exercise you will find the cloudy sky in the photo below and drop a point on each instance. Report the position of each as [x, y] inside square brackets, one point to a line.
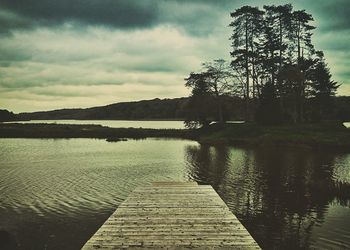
[83, 53]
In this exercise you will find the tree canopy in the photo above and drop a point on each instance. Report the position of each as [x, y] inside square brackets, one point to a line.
[274, 67]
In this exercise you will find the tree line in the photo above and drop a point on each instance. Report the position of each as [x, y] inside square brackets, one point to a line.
[274, 68]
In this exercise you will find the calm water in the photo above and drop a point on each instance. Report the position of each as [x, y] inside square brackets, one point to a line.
[54, 194]
[127, 123]
[117, 123]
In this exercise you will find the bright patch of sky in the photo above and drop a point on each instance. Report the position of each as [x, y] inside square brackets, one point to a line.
[72, 53]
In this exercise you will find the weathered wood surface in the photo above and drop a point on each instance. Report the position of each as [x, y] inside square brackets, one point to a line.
[172, 215]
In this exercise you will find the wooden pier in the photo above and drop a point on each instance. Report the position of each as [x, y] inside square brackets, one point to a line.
[172, 215]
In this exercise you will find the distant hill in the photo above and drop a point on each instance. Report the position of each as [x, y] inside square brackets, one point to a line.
[146, 109]
[157, 109]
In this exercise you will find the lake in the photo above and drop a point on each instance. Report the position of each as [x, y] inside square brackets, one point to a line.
[54, 194]
[116, 123]
[126, 123]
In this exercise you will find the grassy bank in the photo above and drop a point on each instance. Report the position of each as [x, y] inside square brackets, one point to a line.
[331, 136]
[15, 130]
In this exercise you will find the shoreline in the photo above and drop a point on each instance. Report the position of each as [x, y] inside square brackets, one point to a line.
[88, 119]
[323, 136]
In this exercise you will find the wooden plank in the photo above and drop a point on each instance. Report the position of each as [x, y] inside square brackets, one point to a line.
[173, 183]
[172, 215]
[161, 230]
[175, 227]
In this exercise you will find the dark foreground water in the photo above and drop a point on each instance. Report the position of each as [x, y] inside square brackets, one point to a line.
[54, 194]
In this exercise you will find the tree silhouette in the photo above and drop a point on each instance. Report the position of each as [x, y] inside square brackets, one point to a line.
[302, 32]
[208, 91]
[323, 88]
[279, 21]
[198, 108]
[274, 68]
[247, 26]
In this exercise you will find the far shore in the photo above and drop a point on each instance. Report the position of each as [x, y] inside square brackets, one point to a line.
[88, 119]
[328, 135]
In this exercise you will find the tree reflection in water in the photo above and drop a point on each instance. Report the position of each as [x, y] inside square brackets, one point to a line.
[279, 194]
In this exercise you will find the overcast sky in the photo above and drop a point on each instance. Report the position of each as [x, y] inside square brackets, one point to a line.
[83, 53]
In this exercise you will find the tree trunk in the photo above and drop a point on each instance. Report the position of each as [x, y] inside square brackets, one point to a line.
[247, 118]
[281, 41]
[247, 58]
[298, 38]
[254, 81]
[221, 115]
[219, 104]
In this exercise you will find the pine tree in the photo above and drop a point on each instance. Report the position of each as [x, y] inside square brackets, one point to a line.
[247, 26]
[198, 109]
[279, 21]
[273, 68]
[302, 33]
[323, 88]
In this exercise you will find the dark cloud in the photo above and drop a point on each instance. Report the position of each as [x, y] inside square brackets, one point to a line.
[331, 15]
[10, 20]
[196, 16]
[115, 13]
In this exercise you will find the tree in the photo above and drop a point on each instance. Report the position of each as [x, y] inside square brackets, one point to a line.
[209, 88]
[273, 69]
[279, 23]
[247, 26]
[302, 32]
[291, 92]
[219, 79]
[198, 109]
[269, 111]
[268, 59]
[323, 88]
[285, 31]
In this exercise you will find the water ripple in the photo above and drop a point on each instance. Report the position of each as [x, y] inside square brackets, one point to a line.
[56, 191]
